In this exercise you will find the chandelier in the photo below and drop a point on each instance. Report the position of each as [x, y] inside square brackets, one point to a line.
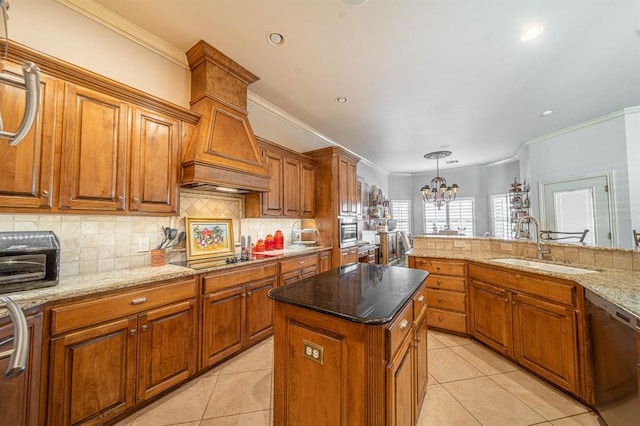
[437, 191]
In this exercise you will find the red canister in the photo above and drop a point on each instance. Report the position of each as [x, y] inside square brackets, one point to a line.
[278, 240]
[259, 246]
[268, 242]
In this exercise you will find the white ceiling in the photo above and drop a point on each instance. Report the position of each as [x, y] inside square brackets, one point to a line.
[420, 75]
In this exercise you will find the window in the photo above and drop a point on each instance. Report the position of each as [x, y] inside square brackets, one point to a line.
[458, 215]
[500, 217]
[400, 211]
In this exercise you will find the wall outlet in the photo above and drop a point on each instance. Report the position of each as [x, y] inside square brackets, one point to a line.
[143, 245]
[313, 351]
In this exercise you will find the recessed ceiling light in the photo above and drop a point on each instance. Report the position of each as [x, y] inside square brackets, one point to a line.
[531, 32]
[354, 2]
[546, 113]
[341, 100]
[276, 39]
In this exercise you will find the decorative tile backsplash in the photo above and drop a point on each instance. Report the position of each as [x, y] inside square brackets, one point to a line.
[91, 243]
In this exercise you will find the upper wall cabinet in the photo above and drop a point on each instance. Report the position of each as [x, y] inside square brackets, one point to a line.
[97, 146]
[93, 163]
[155, 157]
[292, 185]
[26, 170]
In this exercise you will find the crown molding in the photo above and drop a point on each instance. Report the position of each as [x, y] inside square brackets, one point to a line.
[585, 124]
[100, 14]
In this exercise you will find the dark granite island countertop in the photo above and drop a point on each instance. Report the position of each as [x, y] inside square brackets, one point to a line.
[364, 293]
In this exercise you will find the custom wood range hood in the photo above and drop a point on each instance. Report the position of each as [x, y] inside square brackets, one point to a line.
[221, 153]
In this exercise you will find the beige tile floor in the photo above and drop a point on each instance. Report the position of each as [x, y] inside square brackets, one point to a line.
[468, 385]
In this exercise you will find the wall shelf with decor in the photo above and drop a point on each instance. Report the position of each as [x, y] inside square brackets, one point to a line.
[519, 206]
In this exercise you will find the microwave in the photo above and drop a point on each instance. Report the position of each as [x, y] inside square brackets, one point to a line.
[347, 231]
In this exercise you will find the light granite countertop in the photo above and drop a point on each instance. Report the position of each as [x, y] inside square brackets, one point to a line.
[619, 287]
[92, 284]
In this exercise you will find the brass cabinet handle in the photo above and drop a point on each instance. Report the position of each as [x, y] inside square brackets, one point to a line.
[438, 282]
[133, 332]
[301, 262]
[138, 301]
[45, 193]
[438, 268]
[403, 324]
[136, 200]
[506, 300]
[439, 299]
[120, 198]
[440, 319]
[144, 327]
[421, 299]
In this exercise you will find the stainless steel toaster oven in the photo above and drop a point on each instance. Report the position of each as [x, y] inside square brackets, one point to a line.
[28, 260]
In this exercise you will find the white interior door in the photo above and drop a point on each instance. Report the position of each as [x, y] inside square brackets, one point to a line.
[578, 204]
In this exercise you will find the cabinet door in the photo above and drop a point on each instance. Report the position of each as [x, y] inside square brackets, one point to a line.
[155, 163]
[20, 396]
[352, 177]
[324, 261]
[491, 316]
[272, 202]
[348, 256]
[166, 348]
[26, 175]
[223, 313]
[93, 165]
[544, 340]
[292, 188]
[259, 310]
[344, 196]
[308, 196]
[92, 373]
[400, 392]
[421, 372]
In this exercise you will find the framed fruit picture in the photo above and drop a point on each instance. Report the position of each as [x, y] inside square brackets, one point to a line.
[208, 237]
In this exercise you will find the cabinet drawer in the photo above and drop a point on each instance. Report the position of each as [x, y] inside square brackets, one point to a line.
[440, 299]
[399, 329]
[447, 320]
[97, 310]
[298, 262]
[238, 276]
[419, 302]
[444, 282]
[441, 267]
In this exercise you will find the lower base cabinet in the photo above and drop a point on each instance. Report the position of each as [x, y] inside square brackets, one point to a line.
[533, 320]
[19, 397]
[236, 311]
[107, 354]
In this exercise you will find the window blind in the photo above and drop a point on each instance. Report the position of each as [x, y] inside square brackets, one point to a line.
[458, 215]
[500, 217]
[400, 211]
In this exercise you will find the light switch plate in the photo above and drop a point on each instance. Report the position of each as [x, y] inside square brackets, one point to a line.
[143, 245]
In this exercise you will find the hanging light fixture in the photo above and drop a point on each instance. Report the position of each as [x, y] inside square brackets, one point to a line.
[437, 191]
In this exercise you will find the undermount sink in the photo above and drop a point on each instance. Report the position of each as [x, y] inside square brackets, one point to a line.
[549, 267]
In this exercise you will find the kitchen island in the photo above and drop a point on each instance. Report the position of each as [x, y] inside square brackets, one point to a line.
[351, 347]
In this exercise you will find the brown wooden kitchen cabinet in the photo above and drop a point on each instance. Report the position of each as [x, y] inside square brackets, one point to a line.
[347, 193]
[95, 145]
[324, 261]
[109, 353]
[26, 175]
[348, 255]
[530, 318]
[296, 268]
[19, 404]
[446, 292]
[388, 247]
[236, 311]
[155, 160]
[292, 185]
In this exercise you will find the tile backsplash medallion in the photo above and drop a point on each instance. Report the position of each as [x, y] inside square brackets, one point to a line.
[101, 243]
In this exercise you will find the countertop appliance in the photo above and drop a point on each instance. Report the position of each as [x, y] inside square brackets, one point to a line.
[612, 331]
[28, 260]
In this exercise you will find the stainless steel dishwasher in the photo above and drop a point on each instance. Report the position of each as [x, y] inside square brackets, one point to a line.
[615, 361]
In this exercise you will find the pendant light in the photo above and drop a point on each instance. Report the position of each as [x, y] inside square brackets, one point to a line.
[437, 191]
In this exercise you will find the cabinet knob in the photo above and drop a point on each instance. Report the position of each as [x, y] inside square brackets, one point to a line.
[438, 282]
[120, 198]
[440, 319]
[45, 193]
[506, 300]
[403, 324]
[437, 268]
[144, 327]
[136, 200]
[138, 301]
[439, 299]
[421, 299]
[133, 332]
[301, 262]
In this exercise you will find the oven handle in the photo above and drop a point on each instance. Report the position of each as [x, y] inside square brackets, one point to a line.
[18, 355]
